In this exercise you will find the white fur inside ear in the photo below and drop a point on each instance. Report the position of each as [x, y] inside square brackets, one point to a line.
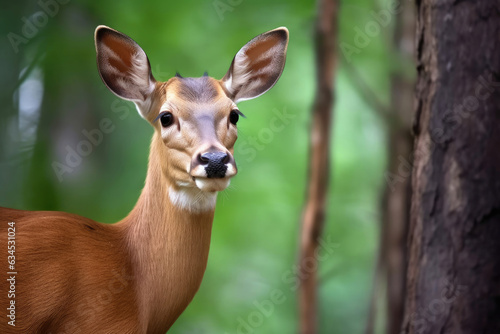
[139, 75]
[108, 54]
[241, 72]
[193, 199]
[247, 80]
[143, 107]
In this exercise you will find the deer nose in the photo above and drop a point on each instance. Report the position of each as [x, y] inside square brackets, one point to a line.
[215, 163]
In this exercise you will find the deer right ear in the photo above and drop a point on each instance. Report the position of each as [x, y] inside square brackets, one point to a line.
[124, 67]
[257, 66]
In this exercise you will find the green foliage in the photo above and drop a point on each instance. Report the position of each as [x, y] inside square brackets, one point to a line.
[255, 235]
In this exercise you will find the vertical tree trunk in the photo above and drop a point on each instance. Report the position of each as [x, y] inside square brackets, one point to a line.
[314, 212]
[397, 199]
[454, 264]
[390, 274]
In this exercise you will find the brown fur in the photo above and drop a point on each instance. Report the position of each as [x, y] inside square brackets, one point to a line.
[66, 267]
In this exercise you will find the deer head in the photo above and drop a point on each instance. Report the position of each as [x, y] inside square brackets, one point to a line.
[195, 119]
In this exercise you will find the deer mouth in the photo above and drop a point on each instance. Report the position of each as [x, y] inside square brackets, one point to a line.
[212, 184]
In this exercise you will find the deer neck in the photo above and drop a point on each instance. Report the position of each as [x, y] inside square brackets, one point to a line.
[169, 245]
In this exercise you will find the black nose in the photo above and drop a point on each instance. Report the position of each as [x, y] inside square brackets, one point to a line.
[215, 163]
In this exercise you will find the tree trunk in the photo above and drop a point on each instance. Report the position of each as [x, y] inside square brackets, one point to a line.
[319, 167]
[397, 199]
[454, 263]
[390, 273]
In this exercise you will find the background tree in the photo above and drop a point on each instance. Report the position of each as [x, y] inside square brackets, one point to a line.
[390, 272]
[325, 34]
[397, 194]
[454, 261]
[396, 115]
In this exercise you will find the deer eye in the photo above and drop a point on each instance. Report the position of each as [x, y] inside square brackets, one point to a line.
[234, 117]
[166, 119]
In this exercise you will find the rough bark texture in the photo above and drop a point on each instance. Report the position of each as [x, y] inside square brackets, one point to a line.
[454, 264]
[314, 212]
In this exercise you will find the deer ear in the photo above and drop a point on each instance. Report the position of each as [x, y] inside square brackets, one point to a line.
[257, 66]
[124, 67]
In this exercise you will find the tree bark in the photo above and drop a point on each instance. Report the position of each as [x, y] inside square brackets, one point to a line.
[454, 263]
[319, 164]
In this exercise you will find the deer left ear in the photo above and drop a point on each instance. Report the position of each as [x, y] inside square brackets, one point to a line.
[257, 66]
[124, 67]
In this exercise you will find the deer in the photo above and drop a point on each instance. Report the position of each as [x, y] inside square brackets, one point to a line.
[65, 273]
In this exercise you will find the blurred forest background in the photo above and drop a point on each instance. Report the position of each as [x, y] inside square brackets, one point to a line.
[52, 95]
